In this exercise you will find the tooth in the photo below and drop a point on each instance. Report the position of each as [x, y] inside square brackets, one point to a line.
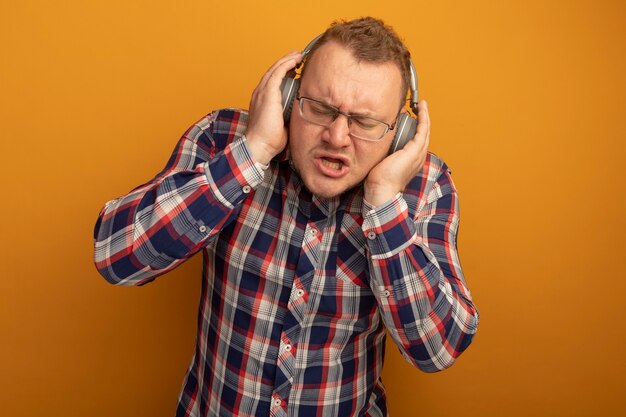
[333, 165]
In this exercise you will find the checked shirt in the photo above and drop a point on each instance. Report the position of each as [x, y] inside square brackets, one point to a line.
[296, 291]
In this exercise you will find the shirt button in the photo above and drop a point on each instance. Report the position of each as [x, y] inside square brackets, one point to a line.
[313, 232]
[247, 189]
[276, 402]
[300, 293]
[291, 380]
[386, 293]
[371, 235]
[202, 229]
[287, 348]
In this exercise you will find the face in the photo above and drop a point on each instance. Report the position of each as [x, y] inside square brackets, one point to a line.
[328, 159]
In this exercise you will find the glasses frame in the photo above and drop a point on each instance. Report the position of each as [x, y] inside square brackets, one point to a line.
[349, 116]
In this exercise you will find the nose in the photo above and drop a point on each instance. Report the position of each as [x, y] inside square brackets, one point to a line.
[338, 133]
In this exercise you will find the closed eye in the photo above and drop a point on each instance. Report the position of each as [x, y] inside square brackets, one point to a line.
[365, 122]
[322, 110]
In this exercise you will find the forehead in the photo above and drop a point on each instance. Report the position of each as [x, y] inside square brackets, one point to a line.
[334, 75]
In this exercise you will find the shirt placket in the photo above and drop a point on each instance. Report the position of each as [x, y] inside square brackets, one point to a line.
[292, 326]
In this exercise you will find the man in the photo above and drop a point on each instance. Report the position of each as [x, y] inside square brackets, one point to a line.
[314, 238]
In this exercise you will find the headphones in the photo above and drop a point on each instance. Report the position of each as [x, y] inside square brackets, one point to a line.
[405, 127]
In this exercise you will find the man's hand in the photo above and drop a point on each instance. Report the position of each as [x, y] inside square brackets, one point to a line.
[266, 132]
[393, 173]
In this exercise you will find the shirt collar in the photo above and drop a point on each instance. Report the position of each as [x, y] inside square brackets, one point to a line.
[314, 207]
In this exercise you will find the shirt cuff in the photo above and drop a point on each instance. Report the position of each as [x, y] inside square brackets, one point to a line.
[388, 228]
[260, 168]
[233, 175]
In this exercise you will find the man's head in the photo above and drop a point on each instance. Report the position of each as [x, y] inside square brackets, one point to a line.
[361, 68]
[371, 41]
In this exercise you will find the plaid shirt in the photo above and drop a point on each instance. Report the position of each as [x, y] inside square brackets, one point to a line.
[297, 291]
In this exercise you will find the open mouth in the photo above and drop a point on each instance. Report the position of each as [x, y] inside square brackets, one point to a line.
[332, 167]
[332, 163]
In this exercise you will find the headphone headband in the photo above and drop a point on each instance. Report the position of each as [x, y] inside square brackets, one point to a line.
[412, 74]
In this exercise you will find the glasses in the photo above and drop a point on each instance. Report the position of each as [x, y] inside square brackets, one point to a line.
[361, 127]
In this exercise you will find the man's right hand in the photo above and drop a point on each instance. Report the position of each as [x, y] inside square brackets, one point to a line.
[266, 132]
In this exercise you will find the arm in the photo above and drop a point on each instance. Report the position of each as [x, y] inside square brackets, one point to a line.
[415, 271]
[160, 224]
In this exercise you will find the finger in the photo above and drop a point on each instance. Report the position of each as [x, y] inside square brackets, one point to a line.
[280, 71]
[287, 57]
[423, 118]
[281, 66]
[418, 146]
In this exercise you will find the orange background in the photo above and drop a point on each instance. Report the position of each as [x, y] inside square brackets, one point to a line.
[527, 102]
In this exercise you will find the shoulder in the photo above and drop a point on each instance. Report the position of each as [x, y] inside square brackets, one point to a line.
[432, 172]
[434, 168]
[219, 127]
[431, 183]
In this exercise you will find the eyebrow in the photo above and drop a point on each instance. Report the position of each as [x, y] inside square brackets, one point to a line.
[368, 115]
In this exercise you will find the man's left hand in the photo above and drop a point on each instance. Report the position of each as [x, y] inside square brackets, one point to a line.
[394, 173]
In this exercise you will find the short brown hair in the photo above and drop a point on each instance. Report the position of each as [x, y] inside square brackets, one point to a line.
[370, 40]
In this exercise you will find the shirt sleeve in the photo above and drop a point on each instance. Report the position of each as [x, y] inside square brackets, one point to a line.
[158, 225]
[416, 275]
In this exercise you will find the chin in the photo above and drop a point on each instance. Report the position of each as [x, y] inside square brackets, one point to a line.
[322, 193]
[327, 188]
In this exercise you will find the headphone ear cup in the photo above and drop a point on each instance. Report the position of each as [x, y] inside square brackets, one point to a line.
[405, 131]
[289, 89]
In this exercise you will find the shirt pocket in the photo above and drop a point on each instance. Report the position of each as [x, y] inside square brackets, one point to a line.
[341, 303]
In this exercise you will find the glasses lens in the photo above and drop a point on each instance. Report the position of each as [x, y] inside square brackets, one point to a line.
[324, 115]
[318, 113]
[366, 128]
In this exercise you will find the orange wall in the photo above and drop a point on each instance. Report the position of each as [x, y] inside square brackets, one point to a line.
[527, 101]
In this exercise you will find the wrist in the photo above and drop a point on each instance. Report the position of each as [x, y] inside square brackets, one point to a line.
[258, 150]
[377, 195]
